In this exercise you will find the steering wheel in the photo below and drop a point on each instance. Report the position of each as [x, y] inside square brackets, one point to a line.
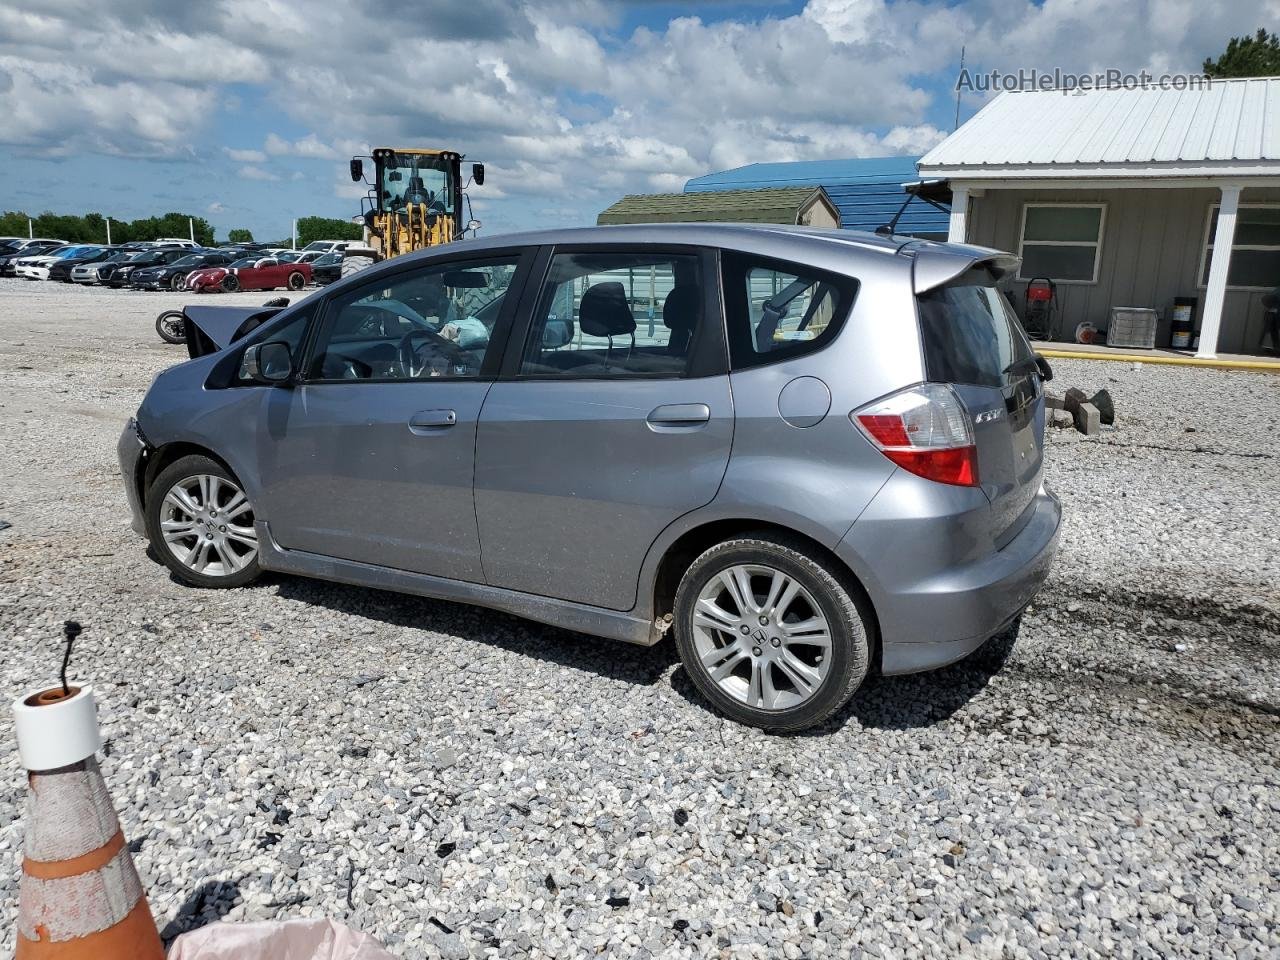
[409, 361]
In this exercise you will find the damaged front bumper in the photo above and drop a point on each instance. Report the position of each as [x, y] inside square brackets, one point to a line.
[132, 450]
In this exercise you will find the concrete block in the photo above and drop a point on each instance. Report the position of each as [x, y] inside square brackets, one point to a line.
[1061, 419]
[1088, 420]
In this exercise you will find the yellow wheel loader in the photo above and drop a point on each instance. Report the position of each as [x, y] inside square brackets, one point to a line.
[415, 201]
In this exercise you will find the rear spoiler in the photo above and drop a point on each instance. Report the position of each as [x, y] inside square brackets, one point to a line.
[211, 328]
[936, 263]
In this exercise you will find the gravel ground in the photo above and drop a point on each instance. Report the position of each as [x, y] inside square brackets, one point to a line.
[463, 783]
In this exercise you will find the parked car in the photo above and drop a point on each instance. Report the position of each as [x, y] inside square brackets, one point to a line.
[300, 256]
[118, 275]
[328, 246]
[60, 269]
[327, 269]
[24, 248]
[820, 453]
[173, 276]
[176, 242]
[89, 272]
[251, 273]
[37, 267]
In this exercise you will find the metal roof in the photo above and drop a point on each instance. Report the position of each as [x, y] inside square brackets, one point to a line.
[1229, 127]
[736, 206]
[867, 191]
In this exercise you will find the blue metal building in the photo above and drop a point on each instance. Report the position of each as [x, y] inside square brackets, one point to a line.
[867, 192]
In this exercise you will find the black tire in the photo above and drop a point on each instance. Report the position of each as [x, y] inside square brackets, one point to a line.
[185, 468]
[355, 264]
[177, 281]
[297, 281]
[171, 325]
[230, 283]
[847, 614]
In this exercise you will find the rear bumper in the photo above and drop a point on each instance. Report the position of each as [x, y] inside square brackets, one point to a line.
[945, 616]
[132, 450]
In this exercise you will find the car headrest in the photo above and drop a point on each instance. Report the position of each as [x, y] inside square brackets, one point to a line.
[682, 306]
[604, 311]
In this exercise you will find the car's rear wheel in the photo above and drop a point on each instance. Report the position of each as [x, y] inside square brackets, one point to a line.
[297, 281]
[177, 281]
[230, 284]
[200, 522]
[771, 634]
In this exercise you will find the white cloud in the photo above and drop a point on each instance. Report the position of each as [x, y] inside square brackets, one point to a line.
[257, 173]
[215, 207]
[245, 156]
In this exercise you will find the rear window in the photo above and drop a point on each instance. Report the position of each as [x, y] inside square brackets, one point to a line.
[970, 332]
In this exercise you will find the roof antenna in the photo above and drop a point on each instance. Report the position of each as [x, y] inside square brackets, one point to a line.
[71, 629]
[957, 126]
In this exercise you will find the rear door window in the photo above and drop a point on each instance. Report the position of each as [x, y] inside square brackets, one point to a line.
[971, 334]
[617, 314]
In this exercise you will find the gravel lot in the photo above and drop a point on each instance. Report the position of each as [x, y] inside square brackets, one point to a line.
[463, 783]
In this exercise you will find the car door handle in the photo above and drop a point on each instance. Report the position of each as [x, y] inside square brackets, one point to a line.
[426, 422]
[680, 415]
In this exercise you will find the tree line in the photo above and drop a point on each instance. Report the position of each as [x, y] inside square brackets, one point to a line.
[92, 228]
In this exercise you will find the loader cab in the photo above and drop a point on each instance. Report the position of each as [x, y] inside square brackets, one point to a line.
[415, 198]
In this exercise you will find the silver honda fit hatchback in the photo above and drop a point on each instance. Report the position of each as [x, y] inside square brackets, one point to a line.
[805, 454]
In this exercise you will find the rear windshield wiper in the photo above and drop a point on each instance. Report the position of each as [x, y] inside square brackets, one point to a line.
[1032, 364]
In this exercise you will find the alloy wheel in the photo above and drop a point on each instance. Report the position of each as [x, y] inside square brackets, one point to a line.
[761, 636]
[207, 524]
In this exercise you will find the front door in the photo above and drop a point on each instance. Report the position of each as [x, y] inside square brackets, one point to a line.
[370, 456]
[614, 420]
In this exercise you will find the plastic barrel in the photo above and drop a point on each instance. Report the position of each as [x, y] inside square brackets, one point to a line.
[1183, 326]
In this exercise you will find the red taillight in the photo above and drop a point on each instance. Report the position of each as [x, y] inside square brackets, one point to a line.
[924, 429]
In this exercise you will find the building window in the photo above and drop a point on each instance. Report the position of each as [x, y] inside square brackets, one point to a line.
[1255, 251]
[1061, 241]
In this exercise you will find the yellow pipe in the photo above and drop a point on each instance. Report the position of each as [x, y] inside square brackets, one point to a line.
[1263, 365]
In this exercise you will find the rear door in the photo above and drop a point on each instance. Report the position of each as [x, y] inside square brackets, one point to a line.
[612, 419]
[973, 340]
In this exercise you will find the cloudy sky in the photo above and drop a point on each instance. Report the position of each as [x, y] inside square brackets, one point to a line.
[247, 110]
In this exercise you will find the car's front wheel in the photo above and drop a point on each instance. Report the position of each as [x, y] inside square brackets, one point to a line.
[200, 522]
[230, 283]
[771, 634]
[297, 281]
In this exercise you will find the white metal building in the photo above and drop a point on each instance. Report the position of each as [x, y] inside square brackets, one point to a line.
[1125, 197]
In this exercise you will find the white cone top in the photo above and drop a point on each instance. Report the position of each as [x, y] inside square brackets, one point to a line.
[56, 734]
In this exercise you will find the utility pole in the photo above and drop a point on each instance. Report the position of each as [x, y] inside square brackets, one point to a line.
[191, 229]
[957, 126]
[31, 234]
[295, 233]
[108, 231]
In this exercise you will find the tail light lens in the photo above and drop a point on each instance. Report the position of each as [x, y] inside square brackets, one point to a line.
[924, 429]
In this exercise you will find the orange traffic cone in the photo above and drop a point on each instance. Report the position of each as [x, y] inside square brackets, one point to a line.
[80, 896]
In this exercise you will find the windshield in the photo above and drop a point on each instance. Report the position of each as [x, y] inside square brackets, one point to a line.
[190, 260]
[328, 260]
[242, 264]
[416, 178]
[318, 245]
[66, 252]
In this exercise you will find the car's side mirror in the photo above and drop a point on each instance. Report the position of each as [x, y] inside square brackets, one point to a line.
[357, 169]
[267, 363]
[477, 174]
[1046, 371]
